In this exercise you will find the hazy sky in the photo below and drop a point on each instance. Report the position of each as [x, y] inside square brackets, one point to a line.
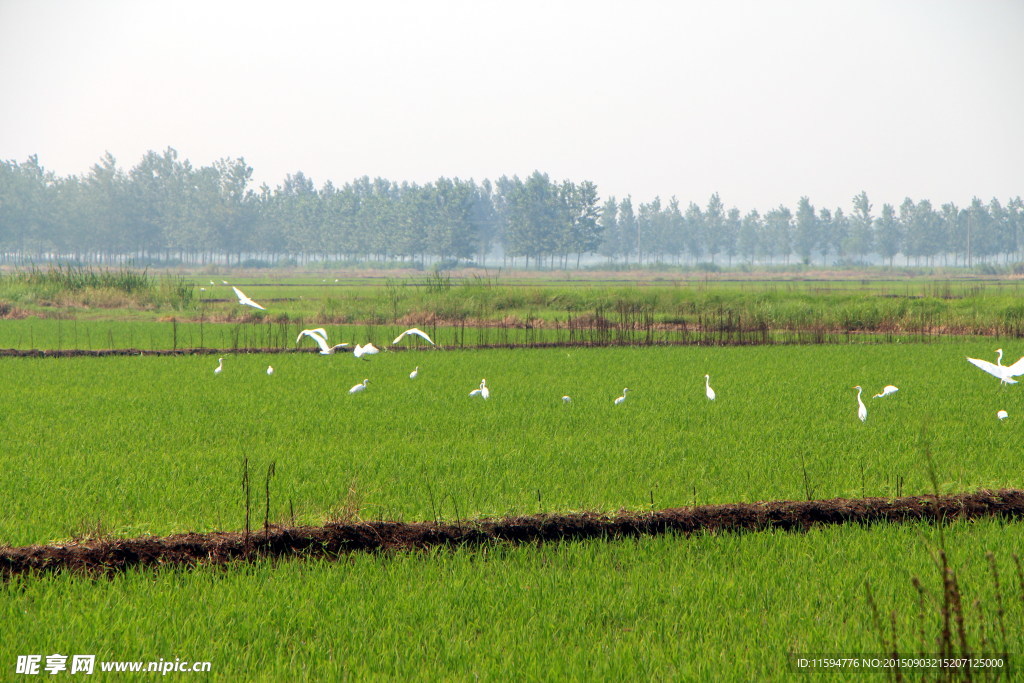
[761, 101]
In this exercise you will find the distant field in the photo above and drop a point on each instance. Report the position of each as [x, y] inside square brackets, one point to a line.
[907, 306]
[488, 311]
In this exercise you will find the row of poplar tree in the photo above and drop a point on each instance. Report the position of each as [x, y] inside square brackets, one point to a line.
[164, 209]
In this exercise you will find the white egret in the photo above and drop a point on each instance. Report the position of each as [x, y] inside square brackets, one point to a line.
[1002, 415]
[622, 398]
[359, 387]
[862, 410]
[415, 373]
[482, 391]
[1005, 373]
[368, 350]
[886, 390]
[566, 399]
[220, 366]
[270, 369]
[707, 388]
[246, 301]
[223, 282]
[417, 332]
[321, 341]
[316, 330]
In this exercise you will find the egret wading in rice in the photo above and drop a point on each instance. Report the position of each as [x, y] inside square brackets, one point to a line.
[415, 373]
[270, 369]
[621, 399]
[886, 390]
[862, 410]
[708, 391]
[482, 391]
[220, 366]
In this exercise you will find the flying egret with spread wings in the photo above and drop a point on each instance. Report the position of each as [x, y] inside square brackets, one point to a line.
[246, 301]
[417, 332]
[1005, 373]
[368, 350]
[319, 335]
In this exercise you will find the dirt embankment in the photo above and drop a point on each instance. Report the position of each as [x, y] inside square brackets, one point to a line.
[332, 540]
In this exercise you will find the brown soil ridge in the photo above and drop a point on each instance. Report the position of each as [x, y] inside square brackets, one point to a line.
[332, 540]
[89, 353]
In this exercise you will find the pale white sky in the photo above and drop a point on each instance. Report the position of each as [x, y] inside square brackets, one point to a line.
[761, 101]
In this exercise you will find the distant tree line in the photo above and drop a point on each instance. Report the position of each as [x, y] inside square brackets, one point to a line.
[163, 209]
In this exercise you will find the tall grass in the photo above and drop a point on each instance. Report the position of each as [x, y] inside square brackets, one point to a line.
[64, 285]
[77, 278]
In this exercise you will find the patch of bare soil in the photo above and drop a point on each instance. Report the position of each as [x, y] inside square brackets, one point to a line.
[333, 540]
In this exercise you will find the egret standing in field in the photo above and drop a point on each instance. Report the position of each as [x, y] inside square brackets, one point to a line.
[708, 391]
[415, 373]
[886, 390]
[246, 301]
[621, 399]
[862, 410]
[359, 387]
[482, 391]
[270, 370]
[220, 366]
[415, 331]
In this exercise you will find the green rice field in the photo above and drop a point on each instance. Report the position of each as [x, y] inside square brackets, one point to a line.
[722, 607]
[127, 446]
[149, 445]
